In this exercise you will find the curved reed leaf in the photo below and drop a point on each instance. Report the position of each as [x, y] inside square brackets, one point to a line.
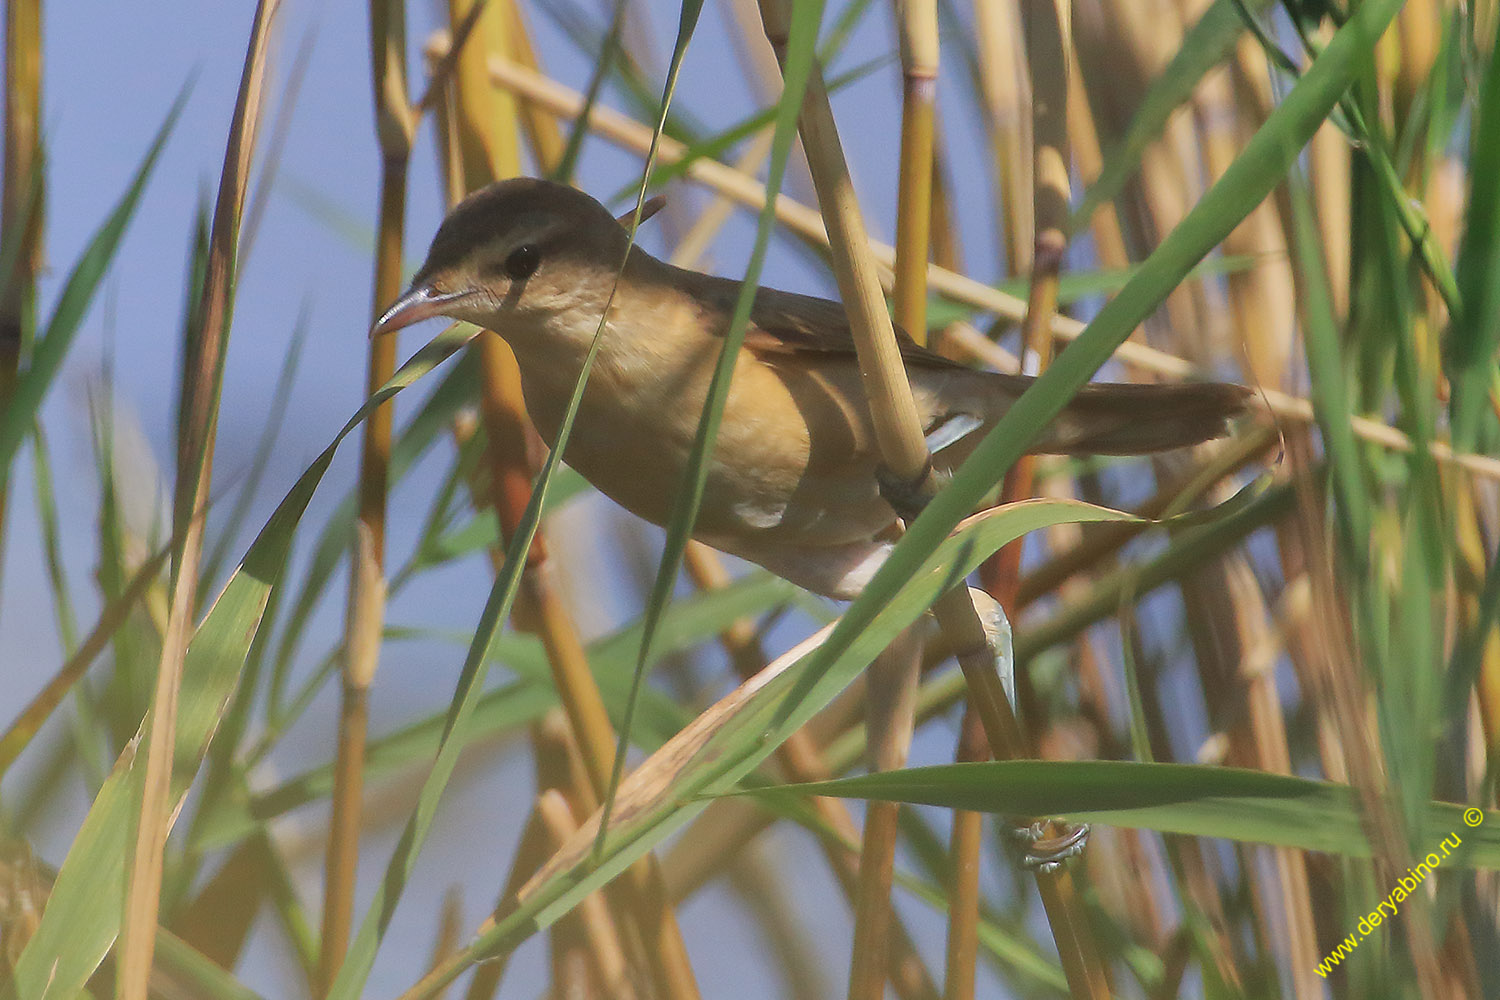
[689, 495]
[1475, 335]
[82, 917]
[725, 744]
[73, 304]
[1191, 799]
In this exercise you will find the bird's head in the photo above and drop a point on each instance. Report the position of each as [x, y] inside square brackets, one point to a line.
[513, 256]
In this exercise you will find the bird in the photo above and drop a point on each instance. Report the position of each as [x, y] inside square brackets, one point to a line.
[794, 481]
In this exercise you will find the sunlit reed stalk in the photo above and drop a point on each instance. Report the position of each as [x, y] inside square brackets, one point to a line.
[591, 931]
[904, 453]
[545, 138]
[21, 199]
[892, 680]
[395, 125]
[487, 136]
[1007, 102]
[1261, 313]
[899, 436]
[592, 926]
[1046, 30]
[801, 760]
[203, 374]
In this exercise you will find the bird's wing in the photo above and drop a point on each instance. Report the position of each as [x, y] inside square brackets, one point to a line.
[788, 324]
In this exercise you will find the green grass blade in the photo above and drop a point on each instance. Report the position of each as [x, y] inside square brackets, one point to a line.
[260, 461]
[689, 497]
[715, 755]
[83, 914]
[1475, 334]
[426, 427]
[73, 304]
[1191, 799]
[1332, 406]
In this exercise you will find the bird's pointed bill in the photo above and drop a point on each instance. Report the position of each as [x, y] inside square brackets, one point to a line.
[418, 303]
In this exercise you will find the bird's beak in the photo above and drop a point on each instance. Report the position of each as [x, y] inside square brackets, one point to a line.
[418, 303]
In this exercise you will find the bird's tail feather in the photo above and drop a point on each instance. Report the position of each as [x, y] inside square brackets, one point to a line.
[1119, 419]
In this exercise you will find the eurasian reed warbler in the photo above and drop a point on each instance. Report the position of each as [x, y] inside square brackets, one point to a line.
[792, 482]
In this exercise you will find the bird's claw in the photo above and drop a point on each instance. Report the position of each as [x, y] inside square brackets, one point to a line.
[1047, 854]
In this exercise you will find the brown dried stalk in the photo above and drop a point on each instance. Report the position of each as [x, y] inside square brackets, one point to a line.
[197, 421]
[395, 123]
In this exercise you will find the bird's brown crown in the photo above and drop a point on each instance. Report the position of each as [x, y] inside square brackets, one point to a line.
[559, 224]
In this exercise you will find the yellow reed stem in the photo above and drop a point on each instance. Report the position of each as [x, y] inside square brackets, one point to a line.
[365, 615]
[21, 198]
[197, 422]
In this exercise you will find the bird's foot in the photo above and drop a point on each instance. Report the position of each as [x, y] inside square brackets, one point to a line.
[1047, 854]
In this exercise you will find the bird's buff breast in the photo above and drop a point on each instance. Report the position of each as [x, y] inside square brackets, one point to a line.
[770, 482]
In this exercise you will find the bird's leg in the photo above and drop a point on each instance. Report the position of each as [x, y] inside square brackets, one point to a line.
[1048, 843]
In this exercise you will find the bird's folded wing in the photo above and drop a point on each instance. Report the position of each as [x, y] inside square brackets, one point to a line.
[785, 323]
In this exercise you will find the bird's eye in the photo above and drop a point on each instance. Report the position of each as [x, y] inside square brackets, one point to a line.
[522, 262]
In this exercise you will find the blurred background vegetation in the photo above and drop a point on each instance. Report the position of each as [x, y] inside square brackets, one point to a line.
[286, 721]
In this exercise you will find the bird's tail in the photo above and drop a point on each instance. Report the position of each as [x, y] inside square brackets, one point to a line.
[1118, 419]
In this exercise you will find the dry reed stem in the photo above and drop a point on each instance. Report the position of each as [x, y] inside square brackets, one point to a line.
[542, 133]
[961, 951]
[891, 682]
[806, 223]
[1047, 55]
[800, 761]
[490, 151]
[200, 403]
[904, 452]
[1338, 690]
[1262, 300]
[395, 123]
[899, 437]
[441, 62]
[589, 925]
[1261, 742]
[560, 768]
[1262, 309]
[21, 198]
[1005, 88]
[531, 853]
[898, 430]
